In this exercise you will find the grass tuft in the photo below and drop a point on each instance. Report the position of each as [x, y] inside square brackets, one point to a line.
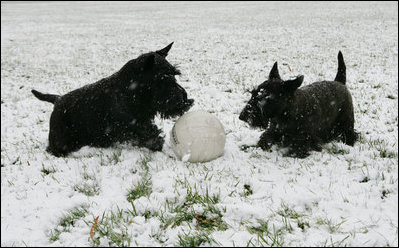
[68, 221]
[209, 220]
[264, 235]
[47, 171]
[87, 188]
[247, 190]
[195, 240]
[111, 229]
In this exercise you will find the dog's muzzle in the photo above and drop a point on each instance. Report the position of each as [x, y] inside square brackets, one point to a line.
[245, 113]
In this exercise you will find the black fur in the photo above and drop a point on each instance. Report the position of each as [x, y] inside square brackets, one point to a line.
[302, 118]
[118, 108]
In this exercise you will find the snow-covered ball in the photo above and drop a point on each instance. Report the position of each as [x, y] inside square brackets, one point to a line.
[198, 136]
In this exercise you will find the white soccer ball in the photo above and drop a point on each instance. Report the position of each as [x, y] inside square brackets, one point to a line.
[198, 136]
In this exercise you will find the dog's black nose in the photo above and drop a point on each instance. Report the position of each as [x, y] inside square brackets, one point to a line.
[190, 102]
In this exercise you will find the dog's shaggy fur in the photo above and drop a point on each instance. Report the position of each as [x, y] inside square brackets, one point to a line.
[302, 118]
[118, 108]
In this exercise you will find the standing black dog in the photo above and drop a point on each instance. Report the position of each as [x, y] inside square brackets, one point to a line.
[118, 108]
[303, 118]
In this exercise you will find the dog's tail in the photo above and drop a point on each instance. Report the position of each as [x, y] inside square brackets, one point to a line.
[341, 74]
[45, 97]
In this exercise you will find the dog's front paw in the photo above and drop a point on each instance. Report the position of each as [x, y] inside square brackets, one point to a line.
[155, 144]
[264, 144]
[298, 153]
[267, 139]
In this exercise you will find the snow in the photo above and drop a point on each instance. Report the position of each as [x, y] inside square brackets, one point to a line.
[347, 195]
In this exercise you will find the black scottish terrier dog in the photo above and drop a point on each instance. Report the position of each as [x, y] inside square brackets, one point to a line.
[302, 118]
[118, 108]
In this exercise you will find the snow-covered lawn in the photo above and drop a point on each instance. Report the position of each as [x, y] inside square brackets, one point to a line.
[342, 196]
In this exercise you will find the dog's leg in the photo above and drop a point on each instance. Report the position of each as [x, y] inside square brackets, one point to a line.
[316, 144]
[345, 126]
[301, 145]
[268, 138]
[349, 136]
[299, 151]
[148, 136]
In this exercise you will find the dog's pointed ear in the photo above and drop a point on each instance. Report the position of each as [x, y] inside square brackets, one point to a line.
[274, 72]
[292, 85]
[164, 51]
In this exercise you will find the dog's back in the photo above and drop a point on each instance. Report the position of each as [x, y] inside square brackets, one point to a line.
[321, 106]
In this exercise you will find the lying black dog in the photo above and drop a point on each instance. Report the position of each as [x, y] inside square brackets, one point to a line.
[118, 108]
[302, 118]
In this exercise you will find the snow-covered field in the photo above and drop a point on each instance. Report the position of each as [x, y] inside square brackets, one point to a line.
[342, 196]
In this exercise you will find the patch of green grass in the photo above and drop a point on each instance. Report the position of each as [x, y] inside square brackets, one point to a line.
[365, 180]
[89, 185]
[209, 220]
[68, 221]
[143, 188]
[335, 149]
[115, 158]
[287, 225]
[383, 148]
[263, 227]
[112, 229]
[288, 212]
[17, 161]
[159, 236]
[303, 225]
[87, 176]
[334, 244]
[384, 193]
[89, 189]
[384, 153]
[193, 197]
[332, 227]
[320, 221]
[54, 235]
[144, 162]
[265, 236]
[195, 240]
[247, 190]
[47, 171]
[73, 215]
[180, 217]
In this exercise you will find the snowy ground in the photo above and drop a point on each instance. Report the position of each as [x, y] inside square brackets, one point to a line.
[342, 196]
